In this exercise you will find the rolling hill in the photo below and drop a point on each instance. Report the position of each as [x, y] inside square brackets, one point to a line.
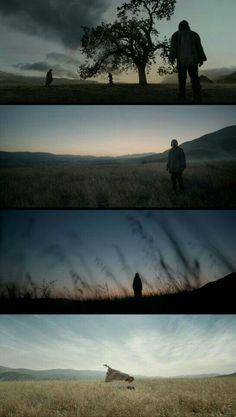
[219, 288]
[15, 376]
[22, 374]
[205, 80]
[219, 145]
[228, 79]
[23, 159]
[233, 375]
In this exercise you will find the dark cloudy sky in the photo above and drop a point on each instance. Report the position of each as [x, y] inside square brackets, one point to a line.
[150, 345]
[108, 247]
[107, 130]
[40, 34]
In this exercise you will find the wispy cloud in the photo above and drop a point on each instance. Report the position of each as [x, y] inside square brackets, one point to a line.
[147, 345]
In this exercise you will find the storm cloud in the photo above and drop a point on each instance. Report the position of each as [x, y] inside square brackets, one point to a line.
[63, 65]
[57, 19]
[34, 66]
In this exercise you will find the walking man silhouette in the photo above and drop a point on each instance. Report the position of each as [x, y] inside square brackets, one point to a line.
[110, 78]
[187, 49]
[49, 78]
[175, 165]
[137, 285]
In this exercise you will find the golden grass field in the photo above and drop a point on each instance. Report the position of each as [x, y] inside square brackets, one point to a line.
[213, 397]
[129, 185]
[160, 93]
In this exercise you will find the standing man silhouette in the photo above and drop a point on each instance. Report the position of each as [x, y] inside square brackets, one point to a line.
[187, 49]
[175, 165]
[137, 285]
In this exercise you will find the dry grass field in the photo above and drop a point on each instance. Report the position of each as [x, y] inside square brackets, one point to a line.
[131, 185]
[213, 397]
[118, 94]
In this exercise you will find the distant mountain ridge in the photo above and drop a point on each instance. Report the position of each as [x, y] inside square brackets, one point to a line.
[14, 159]
[23, 374]
[216, 75]
[8, 374]
[17, 79]
[15, 376]
[218, 145]
[228, 375]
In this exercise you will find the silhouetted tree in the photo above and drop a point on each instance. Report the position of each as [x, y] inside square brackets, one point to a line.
[131, 42]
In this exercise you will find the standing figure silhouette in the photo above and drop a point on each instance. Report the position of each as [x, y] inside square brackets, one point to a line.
[175, 165]
[137, 285]
[187, 49]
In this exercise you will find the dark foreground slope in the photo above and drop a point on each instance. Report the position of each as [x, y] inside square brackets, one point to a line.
[161, 93]
[214, 297]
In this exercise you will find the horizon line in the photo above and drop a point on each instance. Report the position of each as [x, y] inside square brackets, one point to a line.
[104, 371]
[115, 155]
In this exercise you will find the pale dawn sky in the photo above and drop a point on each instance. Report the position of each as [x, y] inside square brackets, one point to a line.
[107, 130]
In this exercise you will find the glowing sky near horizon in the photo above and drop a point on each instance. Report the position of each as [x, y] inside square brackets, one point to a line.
[107, 247]
[107, 130]
[27, 40]
[148, 345]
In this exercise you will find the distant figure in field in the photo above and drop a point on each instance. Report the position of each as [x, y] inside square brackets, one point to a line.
[187, 49]
[110, 78]
[137, 285]
[49, 78]
[175, 165]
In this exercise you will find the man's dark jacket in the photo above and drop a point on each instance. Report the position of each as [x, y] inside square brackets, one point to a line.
[176, 160]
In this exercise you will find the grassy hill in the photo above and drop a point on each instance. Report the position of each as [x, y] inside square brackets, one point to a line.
[228, 79]
[218, 145]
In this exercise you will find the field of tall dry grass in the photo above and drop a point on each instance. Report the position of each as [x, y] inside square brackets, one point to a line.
[212, 397]
[208, 185]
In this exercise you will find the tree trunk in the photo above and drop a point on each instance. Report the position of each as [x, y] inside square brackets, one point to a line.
[142, 75]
